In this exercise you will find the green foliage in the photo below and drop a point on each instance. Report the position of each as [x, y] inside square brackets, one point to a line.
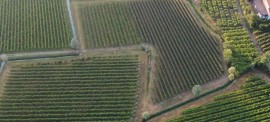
[82, 89]
[34, 25]
[186, 58]
[108, 24]
[260, 24]
[241, 105]
[146, 115]
[196, 90]
[265, 58]
[236, 38]
[231, 77]
[74, 44]
[232, 70]
[227, 54]
[263, 38]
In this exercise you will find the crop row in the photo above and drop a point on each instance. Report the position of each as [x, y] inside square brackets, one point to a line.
[34, 25]
[107, 24]
[188, 54]
[64, 94]
[232, 32]
[264, 40]
[253, 101]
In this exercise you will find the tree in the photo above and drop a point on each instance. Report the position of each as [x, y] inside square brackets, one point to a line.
[74, 44]
[227, 54]
[196, 90]
[231, 77]
[3, 57]
[232, 70]
[146, 115]
[265, 58]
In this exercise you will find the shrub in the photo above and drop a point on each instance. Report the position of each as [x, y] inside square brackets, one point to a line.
[196, 90]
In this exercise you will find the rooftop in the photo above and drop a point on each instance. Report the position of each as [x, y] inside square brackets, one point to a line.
[260, 7]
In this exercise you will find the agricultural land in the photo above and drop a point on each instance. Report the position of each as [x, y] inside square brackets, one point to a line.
[180, 54]
[134, 61]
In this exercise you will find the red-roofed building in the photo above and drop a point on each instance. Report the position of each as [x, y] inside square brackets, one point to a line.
[263, 8]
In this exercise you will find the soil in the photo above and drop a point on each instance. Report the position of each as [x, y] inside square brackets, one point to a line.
[234, 86]
[142, 87]
[76, 18]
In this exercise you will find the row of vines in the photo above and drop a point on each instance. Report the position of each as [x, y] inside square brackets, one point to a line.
[108, 24]
[225, 13]
[34, 25]
[83, 89]
[250, 103]
[188, 54]
[264, 40]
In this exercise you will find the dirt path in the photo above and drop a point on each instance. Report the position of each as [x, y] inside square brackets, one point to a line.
[244, 24]
[142, 87]
[234, 86]
[77, 23]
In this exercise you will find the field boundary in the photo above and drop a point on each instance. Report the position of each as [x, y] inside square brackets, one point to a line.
[71, 19]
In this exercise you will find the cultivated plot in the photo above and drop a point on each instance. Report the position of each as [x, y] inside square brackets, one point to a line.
[27, 25]
[81, 89]
[187, 53]
[250, 103]
[107, 24]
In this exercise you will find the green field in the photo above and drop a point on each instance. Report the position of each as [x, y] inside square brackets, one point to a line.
[28, 25]
[187, 53]
[81, 89]
[107, 24]
[251, 103]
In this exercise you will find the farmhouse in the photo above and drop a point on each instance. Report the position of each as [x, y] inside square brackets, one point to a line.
[263, 8]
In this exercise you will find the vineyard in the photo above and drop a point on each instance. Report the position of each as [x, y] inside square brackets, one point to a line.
[250, 103]
[188, 54]
[264, 40]
[79, 89]
[225, 13]
[185, 58]
[107, 24]
[34, 25]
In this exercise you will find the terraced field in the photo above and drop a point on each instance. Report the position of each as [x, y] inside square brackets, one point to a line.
[82, 89]
[187, 53]
[28, 25]
[250, 103]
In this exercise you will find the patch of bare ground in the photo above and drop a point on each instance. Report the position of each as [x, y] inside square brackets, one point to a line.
[142, 87]
[209, 98]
